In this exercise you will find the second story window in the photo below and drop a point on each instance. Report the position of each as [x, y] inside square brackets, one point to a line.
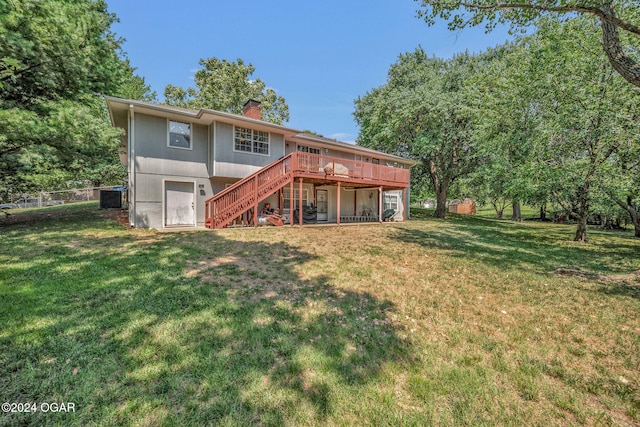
[251, 141]
[179, 135]
[305, 149]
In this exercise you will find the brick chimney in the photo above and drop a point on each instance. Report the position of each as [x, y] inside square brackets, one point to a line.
[252, 109]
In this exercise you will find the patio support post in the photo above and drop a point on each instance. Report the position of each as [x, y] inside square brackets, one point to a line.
[355, 201]
[338, 209]
[291, 203]
[405, 205]
[315, 202]
[380, 204]
[300, 204]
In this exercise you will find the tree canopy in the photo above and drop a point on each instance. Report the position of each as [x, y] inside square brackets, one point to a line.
[57, 59]
[421, 113]
[225, 86]
[543, 120]
[614, 17]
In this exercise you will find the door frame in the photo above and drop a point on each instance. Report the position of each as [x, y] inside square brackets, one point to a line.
[327, 202]
[164, 202]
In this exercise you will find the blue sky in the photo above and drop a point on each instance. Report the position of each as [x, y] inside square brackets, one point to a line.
[319, 55]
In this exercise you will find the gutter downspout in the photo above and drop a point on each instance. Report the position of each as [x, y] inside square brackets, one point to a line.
[132, 169]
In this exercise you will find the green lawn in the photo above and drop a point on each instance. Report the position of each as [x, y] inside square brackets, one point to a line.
[526, 212]
[446, 322]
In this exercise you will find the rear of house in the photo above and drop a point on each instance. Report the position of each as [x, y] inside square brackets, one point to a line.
[196, 168]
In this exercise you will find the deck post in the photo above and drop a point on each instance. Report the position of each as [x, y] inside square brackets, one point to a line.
[300, 203]
[338, 208]
[255, 209]
[291, 203]
[380, 204]
[405, 205]
[355, 201]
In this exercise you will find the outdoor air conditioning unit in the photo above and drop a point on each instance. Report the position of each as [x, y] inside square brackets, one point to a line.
[110, 199]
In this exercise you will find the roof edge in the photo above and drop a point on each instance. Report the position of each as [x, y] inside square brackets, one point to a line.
[197, 114]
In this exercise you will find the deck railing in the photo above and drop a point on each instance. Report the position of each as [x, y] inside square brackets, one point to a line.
[245, 194]
[318, 164]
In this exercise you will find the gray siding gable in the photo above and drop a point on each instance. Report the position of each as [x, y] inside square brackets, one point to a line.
[234, 164]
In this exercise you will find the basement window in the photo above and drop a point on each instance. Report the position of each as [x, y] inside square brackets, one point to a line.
[179, 135]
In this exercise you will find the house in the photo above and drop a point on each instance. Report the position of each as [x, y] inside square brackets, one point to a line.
[206, 168]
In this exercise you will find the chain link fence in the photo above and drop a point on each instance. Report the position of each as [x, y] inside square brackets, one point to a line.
[58, 197]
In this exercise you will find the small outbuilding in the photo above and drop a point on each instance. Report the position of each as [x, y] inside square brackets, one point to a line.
[466, 206]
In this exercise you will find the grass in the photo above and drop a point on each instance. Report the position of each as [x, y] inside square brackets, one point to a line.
[429, 322]
[527, 212]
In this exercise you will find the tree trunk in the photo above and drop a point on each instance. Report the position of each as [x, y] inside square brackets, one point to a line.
[498, 208]
[441, 203]
[634, 214]
[517, 215]
[581, 231]
[442, 187]
[543, 212]
[621, 62]
[583, 212]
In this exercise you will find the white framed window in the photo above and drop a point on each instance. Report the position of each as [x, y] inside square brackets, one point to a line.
[296, 197]
[261, 142]
[179, 135]
[251, 141]
[243, 140]
[390, 201]
[358, 158]
[306, 149]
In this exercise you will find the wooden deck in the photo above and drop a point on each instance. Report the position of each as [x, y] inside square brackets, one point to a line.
[296, 169]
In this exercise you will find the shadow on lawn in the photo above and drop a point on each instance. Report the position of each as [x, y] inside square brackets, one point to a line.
[188, 328]
[539, 249]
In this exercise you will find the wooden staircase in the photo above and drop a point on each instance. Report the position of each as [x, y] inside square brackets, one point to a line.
[247, 193]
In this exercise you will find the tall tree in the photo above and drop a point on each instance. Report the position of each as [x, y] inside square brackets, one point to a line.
[59, 49]
[588, 114]
[133, 86]
[226, 86]
[506, 114]
[57, 58]
[624, 176]
[421, 113]
[614, 16]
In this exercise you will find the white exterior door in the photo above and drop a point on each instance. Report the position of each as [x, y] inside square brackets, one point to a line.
[179, 203]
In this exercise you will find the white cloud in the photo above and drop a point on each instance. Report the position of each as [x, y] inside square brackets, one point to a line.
[192, 76]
